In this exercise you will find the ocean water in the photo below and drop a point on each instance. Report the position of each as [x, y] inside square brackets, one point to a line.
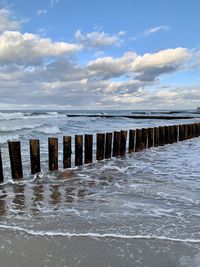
[139, 210]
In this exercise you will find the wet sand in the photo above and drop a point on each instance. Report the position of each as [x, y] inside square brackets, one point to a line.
[27, 250]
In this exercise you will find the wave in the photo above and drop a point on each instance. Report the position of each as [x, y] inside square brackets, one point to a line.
[48, 129]
[98, 235]
[13, 128]
[6, 138]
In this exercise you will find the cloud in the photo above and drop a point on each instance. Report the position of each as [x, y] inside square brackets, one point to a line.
[29, 48]
[153, 30]
[150, 31]
[41, 12]
[54, 2]
[6, 23]
[98, 39]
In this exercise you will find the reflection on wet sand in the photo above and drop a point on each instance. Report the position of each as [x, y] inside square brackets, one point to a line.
[69, 195]
[55, 195]
[19, 198]
[38, 197]
[3, 203]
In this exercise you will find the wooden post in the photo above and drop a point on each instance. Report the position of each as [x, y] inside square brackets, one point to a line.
[88, 148]
[116, 143]
[15, 159]
[123, 143]
[108, 151]
[161, 136]
[156, 137]
[175, 133]
[78, 150]
[138, 140]
[53, 153]
[171, 134]
[185, 131]
[100, 153]
[166, 135]
[150, 137]
[198, 129]
[131, 141]
[144, 138]
[181, 132]
[67, 151]
[1, 169]
[35, 156]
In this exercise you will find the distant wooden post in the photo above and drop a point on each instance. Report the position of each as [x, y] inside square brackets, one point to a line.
[100, 153]
[108, 151]
[15, 159]
[116, 143]
[156, 137]
[150, 137]
[35, 156]
[123, 143]
[1, 169]
[53, 153]
[138, 140]
[88, 148]
[78, 150]
[131, 141]
[144, 138]
[67, 151]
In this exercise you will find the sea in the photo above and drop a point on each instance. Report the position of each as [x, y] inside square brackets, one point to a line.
[142, 209]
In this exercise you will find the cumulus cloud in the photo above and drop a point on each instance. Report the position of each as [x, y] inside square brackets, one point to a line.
[98, 39]
[27, 48]
[6, 23]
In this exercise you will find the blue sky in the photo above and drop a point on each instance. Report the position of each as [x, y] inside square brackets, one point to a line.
[69, 54]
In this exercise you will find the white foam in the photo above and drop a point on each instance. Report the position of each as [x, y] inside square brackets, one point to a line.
[97, 235]
[49, 129]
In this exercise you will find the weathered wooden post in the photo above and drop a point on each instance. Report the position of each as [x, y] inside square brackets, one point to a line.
[108, 149]
[100, 153]
[181, 132]
[175, 133]
[150, 137]
[185, 131]
[166, 141]
[1, 169]
[78, 150]
[198, 129]
[15, 159]
[144, 138]
[116, 143]
[35, 155]
[131, 141]
[123, 143]
[67, 151]
[88, 148]
[53, 153]
[156, 137]
[171, 134]
[161, 135]
[138, 140]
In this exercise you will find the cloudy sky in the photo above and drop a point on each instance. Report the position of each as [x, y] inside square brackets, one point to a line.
[108, 54]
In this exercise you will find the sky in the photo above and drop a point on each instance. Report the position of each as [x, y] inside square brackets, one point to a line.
[87, 54]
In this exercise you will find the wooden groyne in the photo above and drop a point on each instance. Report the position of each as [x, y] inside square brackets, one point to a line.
[141, 117]
[107, 145]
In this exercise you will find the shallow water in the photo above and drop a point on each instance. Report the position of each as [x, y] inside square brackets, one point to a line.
[140, 210]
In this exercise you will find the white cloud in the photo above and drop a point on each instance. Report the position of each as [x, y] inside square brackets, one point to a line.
[54, 2]
[98, 39]
[150, 31]
[41, 11]
[153, 30]
[6, 23]
[29, 48]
